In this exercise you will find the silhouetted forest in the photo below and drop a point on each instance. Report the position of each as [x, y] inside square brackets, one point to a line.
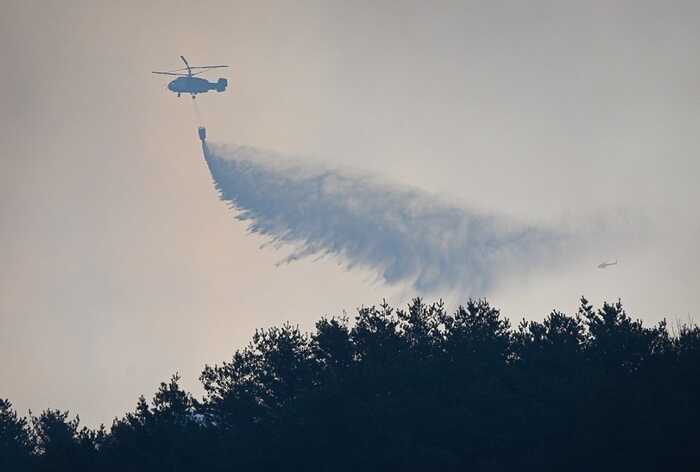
[415, 389]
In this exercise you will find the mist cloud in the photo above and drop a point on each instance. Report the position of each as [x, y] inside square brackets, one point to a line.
[403, 234]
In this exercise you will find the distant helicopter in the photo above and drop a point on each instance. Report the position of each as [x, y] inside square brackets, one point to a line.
[603, 265]
[188, 83]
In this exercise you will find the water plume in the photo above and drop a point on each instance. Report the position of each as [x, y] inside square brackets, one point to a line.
[403, 234]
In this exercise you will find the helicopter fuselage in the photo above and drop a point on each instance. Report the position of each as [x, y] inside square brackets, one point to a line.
[195, 85]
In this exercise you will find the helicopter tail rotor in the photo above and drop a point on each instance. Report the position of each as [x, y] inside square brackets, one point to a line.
[221, 85]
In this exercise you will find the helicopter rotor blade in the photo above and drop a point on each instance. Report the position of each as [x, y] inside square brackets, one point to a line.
[189, 71]
[195, 67]
[207, 67]
[198, 73]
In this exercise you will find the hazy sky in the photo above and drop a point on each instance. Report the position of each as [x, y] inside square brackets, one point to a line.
[120, 265]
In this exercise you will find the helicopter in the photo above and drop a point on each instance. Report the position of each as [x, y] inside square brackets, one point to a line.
[188, 83]
[604, 265]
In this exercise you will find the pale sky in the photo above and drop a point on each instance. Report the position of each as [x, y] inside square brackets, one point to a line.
[120, 265]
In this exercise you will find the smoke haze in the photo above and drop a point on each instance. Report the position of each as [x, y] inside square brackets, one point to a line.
[545, 115]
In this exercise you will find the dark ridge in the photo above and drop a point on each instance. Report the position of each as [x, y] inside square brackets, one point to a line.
[415, 389]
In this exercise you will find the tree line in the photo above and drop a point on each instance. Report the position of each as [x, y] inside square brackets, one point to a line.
[412, 389]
